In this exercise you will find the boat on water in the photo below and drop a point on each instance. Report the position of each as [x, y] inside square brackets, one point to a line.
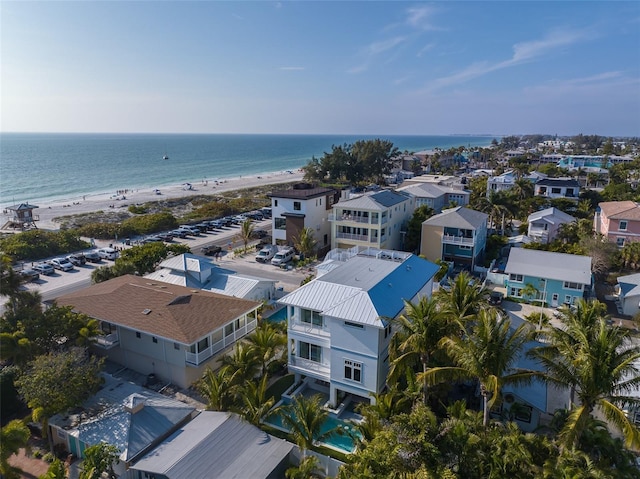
[165, 157]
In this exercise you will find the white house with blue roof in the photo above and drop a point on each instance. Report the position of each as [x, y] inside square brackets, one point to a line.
[374, 219]
[559, 278]
[339, 324]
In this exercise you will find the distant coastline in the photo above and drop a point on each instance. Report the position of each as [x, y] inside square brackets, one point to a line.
[58, 167]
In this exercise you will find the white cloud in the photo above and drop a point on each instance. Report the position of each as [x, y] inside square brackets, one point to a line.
[522, 52]
[291, 68]
[419, 18]
[380, 47]
[425, 49]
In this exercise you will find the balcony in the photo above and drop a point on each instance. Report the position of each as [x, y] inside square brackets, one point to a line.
[195, 359]
[302, 365]
[352, 237]
[296, 325]
[450, 239]
[349, 219]
[108, 341]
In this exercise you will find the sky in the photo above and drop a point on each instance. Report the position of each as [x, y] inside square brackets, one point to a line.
[330, 67]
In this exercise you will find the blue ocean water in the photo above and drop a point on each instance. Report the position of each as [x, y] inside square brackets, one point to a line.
[39, 167]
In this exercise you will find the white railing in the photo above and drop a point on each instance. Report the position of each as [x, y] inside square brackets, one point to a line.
[309, 365]
[349, 218]
[352, 236]
[457, 240]
[297, 325]
[108, 341]
[201, 356]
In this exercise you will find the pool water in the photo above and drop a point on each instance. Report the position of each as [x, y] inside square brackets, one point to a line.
[344, 442]
[277, 317]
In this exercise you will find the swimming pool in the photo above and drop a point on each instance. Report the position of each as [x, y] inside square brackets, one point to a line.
[277, 317]
[341, 442]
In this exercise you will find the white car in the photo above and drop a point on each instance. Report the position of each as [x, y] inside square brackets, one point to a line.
[63, 264]
[107, 253]
[266, 253]
[44, 268]
[282, 257]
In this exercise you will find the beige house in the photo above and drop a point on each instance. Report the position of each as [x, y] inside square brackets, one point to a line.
[164, 329]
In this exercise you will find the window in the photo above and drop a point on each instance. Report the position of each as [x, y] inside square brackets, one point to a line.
[620, 241]
[138, 335]
[352, 370]
[518, 278]
[326, 239]
[515, 292]
[555, 191]
[543, 190]
[570, 285]
[623, 225]
[309, 351]
[567, 299]
[280, 223]
[387, 330]
[228, 329]
[297, 206]
[154, 339]
[311, 317]
[176, 346]
[275, 202]
[523, 413]
[354, 325]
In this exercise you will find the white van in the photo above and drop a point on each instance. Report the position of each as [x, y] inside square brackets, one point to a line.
[267, 253]
[283, 256]
[107, 253]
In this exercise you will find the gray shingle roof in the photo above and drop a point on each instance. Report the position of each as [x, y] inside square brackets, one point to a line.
[458, 217]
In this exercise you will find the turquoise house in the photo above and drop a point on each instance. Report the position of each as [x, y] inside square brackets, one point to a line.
[553, 278]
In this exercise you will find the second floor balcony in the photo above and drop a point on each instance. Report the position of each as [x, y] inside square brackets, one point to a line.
[353, 237]
[451, 239]
[108, 341]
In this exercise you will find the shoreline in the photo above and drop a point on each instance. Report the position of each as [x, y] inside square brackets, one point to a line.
[93, 202]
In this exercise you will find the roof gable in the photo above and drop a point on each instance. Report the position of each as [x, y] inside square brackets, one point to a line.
[458, 217]
[623, 210]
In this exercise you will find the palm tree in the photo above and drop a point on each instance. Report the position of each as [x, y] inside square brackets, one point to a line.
[266, 341]
[422, 327]
[598, 364]
[304, 417]
[246, 232]
[305, 242]
[488, 355]
[13, 437]
[255, 403]
[242, 364]
[465, 299]
[305, 470]
[218, 389]
[16, 348]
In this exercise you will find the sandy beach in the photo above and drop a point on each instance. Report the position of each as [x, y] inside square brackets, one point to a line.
[118, 199]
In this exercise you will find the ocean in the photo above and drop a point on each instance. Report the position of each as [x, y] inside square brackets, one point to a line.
[46, 167]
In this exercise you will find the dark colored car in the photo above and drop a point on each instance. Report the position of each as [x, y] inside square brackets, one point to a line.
[495, 297]
[92, 257]
[211, 250]
[29, 274]
[259, 234]
[77, 259]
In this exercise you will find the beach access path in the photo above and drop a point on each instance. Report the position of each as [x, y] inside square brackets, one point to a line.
[47, 211]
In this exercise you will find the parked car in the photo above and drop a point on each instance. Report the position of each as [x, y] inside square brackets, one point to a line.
[44, 268]
[266, 212]
[259, 234]
[283, 256]
[107, 253]
[63, 264]
[193, 230]
[165, 236]
[204, 226]
[211, 250]
[180, 233]
[152, 239]
[77, 259]
[495, 297]
[266, 253]
[92, 257]
[29, 274]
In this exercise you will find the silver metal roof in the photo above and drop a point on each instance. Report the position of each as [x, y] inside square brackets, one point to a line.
[216, 445]
[552, 215]
[549, 265]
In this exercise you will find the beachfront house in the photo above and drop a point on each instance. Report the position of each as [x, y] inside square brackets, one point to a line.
[199, 272]
[558, 278]
[339, 325]
[618, 221]
[554, 188]
[544, 224]
[303, 206]
[374, 219]
[436, 196]
[171, 331]
[458, 235]
[122, 414]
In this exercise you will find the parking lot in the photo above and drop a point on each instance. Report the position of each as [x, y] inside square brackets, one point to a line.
[63, 282]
